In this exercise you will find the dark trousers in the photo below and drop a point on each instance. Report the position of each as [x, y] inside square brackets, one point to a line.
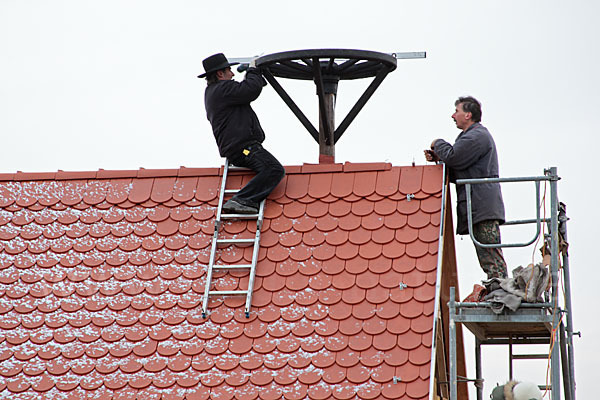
[269, 172]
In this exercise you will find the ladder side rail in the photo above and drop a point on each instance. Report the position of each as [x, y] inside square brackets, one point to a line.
[209, 272]
[213, 249]
[255, 250]
[222, 191]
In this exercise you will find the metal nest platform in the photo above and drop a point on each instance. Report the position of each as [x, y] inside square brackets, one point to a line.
[326, 67]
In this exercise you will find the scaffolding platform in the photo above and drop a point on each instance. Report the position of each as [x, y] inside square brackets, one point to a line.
[486, 325]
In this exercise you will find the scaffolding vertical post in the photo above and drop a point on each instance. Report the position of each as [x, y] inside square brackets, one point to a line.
[554, 243]
[569, 327]
[478, 374]
[452, 334]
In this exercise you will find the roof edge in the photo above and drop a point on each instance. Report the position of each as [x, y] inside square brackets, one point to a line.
[184, 172]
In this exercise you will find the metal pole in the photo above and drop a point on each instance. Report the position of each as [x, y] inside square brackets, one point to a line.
[452, 334]
[555, 362]
[564, 364]
[510, 357]
[569, 328]
[478, 382]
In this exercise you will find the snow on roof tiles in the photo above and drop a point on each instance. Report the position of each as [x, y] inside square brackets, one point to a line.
[102, 275]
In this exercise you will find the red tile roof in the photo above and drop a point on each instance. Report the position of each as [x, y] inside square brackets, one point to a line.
[102, 274]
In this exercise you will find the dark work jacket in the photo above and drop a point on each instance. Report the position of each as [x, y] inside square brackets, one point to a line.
[473, 155]
[233, 121]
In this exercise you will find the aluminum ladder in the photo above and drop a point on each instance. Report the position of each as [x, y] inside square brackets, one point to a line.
[216, 242]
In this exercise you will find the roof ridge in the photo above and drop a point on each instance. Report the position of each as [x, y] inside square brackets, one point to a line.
[182, 171]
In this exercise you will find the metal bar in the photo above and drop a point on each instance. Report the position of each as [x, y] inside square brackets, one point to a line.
[510, 358]
[239, 216]
[501, 180]
[525, 221]
[555, 367]
[514, 319]
[290, 103]
[361, 102]
[485, 304]
[501, 245]
[232, 241]
[323, 112]
[565, 364]
[236, 266]
[569, 315]
[452, 334]
[516, 341]
[478, 374]
[530, 356]
[227, 292]
[399, 55]
[409, 55]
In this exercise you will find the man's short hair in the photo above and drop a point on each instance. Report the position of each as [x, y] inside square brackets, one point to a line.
[470, 104]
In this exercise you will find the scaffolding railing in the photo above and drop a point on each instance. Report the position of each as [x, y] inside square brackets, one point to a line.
[532, 320]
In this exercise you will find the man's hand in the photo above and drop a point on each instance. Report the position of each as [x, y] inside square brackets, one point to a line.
[431, 156]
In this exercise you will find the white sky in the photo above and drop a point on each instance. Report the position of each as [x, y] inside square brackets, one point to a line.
[112, 84]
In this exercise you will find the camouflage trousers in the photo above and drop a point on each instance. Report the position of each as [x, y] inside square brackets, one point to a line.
[491, 260]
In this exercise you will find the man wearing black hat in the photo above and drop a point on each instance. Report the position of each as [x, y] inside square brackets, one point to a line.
[238, 132]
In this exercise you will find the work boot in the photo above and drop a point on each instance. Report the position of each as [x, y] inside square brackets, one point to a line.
[233, 207]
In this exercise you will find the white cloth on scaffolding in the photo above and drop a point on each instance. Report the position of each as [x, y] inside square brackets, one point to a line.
[527, 284]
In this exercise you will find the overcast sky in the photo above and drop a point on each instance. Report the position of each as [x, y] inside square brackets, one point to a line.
[112, 84]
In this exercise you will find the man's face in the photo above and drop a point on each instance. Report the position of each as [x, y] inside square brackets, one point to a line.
[461, 118]
[225, 74]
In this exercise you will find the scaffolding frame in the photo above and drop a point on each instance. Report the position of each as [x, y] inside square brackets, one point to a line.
[532, 323]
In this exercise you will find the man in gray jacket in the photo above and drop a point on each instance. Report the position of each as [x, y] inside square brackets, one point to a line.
[474, 155]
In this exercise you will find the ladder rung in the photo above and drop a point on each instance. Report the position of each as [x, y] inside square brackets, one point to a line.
[235, 266]
[239, 216]
[231, 191]
[226, 292]
[530, 356]
[234, 168]
[230, 241]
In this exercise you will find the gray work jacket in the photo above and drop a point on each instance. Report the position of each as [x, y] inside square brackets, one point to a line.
[473, 155]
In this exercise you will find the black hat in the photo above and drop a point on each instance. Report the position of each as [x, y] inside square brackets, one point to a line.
[216, 62]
